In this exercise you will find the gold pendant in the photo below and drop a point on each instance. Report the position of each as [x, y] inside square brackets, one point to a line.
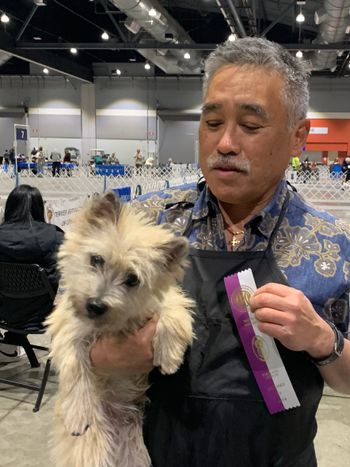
[235, 242]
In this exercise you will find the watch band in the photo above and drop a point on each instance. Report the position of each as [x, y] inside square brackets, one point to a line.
[337, 349]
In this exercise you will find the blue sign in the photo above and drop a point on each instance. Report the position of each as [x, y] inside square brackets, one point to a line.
[21, 134]
[109, 169]
[123, 193]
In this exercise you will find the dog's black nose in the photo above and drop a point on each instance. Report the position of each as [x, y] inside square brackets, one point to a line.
[96, 307]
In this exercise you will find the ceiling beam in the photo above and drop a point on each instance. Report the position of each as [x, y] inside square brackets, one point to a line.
[114, 22]
[113, 45]
[27, 21]
[46, 59]
[278, 19]
[237, 18]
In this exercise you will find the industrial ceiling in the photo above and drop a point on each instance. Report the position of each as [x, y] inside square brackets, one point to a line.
[64, 36]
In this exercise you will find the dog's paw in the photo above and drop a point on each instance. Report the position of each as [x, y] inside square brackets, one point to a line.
[169, 348]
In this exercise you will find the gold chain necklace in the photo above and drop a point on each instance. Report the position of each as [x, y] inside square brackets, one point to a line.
[234, 240]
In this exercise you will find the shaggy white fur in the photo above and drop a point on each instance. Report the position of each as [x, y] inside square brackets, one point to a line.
[118, 270]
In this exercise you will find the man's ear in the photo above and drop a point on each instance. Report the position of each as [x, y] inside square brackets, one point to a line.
[300, 134]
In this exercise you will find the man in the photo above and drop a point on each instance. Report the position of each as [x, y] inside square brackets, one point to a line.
[211, 412]
[56, 157]
[40, 159]
[139, 160]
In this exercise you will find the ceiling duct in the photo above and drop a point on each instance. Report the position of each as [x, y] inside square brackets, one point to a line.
[333, 19]
[161, 27]
[4, 57]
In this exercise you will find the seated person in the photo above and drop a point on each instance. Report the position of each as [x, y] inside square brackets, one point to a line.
[25, 237]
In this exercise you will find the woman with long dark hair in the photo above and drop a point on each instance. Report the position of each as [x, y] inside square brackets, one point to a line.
[25, 237]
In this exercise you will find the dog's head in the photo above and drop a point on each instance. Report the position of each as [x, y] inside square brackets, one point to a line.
[115, 263]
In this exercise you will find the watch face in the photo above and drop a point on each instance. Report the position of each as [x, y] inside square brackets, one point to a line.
[337, 310]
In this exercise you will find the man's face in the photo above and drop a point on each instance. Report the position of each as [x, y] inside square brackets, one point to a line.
[244, 140]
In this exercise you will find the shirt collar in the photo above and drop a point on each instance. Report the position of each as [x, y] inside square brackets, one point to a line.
[265, 221]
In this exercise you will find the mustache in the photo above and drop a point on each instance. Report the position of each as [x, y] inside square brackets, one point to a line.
[217, 161]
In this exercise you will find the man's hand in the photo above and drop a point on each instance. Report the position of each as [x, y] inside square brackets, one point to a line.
[130, 354]
[287, 315]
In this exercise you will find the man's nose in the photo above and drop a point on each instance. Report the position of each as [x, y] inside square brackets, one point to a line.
[229, 142]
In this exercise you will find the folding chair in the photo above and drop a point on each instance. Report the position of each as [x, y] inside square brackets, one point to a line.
[21, 284]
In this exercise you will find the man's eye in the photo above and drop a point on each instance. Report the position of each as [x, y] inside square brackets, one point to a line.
[250, 127]
[213, 123]
[96, 261]
[131, 280]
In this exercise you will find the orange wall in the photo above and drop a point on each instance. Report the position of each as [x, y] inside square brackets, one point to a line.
[337, 139]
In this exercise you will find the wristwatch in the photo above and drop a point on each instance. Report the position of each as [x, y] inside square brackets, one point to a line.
[337, 349]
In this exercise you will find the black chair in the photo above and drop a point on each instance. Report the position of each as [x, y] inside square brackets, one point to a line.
[25, 295]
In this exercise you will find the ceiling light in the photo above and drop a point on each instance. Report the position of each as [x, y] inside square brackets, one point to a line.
[118, 72]
[40, 2]
[46, 71]
[300, 18]
[152, 12]
[37, 38]
[132, 59]
[187, 56]
[349, 65]
[73, 50]
[299, 54]
[147, 66]
[105, 36]
[232, 37]
[4, 18]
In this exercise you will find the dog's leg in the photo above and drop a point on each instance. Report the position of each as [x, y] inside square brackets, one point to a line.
[173, 333]
[77, 394]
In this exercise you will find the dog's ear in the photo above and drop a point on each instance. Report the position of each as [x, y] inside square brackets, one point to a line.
[175, 252]
[105, 207]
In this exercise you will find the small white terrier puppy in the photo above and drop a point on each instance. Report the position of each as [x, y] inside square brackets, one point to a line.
[118, 271]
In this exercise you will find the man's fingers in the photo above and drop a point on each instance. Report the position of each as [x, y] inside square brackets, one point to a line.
[273, 288]
[268, 315]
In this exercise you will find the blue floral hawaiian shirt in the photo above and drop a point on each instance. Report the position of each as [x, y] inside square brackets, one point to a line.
[311, 247]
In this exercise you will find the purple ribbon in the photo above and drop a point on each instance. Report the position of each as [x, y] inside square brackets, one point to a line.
[248, 337]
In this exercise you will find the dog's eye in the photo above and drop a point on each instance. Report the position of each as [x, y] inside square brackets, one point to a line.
[96, 261]
[132, 280]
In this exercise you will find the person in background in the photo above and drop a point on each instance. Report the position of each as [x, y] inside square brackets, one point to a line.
[114, 159]
[346, 169]
[244, 215]
[149, 163]
[295, 165]
[2, 157]
[336, 169]
[139, 160]
[12, 156]
[56, 162]
[25, 237]
[6, 157]
[67, 160]
[40, 160]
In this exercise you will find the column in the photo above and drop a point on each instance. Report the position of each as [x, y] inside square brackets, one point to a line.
[88, 120]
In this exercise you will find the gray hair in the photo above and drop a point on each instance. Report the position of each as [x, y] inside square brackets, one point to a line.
[270, 55]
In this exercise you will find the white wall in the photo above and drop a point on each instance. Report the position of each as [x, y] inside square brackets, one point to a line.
[126, 149]
[58, 102]
[58, 144]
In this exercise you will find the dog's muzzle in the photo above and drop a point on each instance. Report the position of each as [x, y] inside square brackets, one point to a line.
[95, 307]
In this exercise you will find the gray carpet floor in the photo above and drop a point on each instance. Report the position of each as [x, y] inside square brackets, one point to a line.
[24, 435]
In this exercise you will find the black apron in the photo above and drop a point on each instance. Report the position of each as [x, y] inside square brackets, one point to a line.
[211, 412]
